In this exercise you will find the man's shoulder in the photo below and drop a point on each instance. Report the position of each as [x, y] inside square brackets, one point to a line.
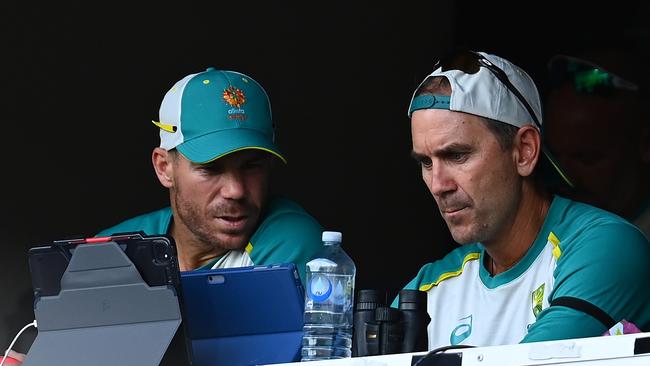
[286, 233]
[286, 221]
[282, 205]
[578, 213]
[585, 235]
[575, 222]
[151, 223]
[450, 266]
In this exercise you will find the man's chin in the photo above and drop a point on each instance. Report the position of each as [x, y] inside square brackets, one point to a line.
[463, 238]
[232, 238]
[232, 241]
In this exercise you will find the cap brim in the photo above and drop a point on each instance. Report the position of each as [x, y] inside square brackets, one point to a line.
[212, 146]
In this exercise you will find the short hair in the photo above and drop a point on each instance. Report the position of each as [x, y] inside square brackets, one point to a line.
[505, 133]
[173, 153]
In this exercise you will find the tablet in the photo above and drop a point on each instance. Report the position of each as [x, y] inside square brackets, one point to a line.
[243, 316]
[153, 256]
[97, 295]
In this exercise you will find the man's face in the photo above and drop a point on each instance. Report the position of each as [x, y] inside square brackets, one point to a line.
[221, 202]
[589, 136]
[473, 180]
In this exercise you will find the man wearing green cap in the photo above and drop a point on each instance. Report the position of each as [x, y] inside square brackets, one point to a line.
[216, 151]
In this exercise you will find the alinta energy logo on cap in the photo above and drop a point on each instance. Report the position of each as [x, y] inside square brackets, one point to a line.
[236, 98]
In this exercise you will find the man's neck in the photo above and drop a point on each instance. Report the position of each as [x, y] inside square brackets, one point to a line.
[513, 244]
[192, 252]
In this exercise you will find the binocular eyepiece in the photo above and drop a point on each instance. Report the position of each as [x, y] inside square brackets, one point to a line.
[380, 329]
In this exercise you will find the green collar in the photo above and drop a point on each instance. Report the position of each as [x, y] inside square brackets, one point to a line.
[529, 257]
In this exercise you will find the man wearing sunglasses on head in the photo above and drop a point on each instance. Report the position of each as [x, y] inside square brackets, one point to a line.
[597, 127]
[532, 266]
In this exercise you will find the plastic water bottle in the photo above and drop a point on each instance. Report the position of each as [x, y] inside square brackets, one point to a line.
[329, 299]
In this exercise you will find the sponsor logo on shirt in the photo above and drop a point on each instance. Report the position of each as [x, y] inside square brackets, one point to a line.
[462, 331]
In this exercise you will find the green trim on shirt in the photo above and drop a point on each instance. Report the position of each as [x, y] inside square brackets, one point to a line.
[538, 245]
[432, 274]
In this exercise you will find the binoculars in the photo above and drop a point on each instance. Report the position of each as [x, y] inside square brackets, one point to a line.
[380, 329]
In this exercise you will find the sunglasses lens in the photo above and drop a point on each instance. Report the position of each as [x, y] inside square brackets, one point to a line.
[593, 80]
[586, 78]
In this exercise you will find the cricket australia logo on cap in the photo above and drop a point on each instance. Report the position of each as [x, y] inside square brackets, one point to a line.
[236, 98]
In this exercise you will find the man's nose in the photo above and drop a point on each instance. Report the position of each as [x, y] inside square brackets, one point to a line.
[439, 180]
[233, 185]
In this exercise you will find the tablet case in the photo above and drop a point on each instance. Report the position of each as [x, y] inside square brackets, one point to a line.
[105, 313]
[154, 256]
[244, 316]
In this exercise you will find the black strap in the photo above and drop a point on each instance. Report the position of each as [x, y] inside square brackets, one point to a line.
[642, 345]
[585, 307]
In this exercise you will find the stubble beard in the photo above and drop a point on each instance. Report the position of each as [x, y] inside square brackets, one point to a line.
[205, 234]
[472, 232]
[464, 230]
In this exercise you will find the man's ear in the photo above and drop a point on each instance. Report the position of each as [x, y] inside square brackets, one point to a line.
[527, 147]
[163, 164]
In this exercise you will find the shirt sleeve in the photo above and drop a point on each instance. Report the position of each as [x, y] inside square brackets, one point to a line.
[605, 266]
[290, 237]
[413, 284]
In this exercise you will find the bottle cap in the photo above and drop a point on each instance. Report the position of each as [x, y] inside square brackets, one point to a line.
[335, 236]
[412, 300]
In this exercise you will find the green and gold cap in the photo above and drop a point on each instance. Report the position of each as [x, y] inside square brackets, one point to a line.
[214, 113]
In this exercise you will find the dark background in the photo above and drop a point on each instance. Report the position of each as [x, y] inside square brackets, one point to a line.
[80, 84]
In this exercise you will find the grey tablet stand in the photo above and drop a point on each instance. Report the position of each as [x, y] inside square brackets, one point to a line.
[105, 314]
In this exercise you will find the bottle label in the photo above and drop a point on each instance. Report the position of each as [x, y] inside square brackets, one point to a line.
[329, 288]
[320, 288]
